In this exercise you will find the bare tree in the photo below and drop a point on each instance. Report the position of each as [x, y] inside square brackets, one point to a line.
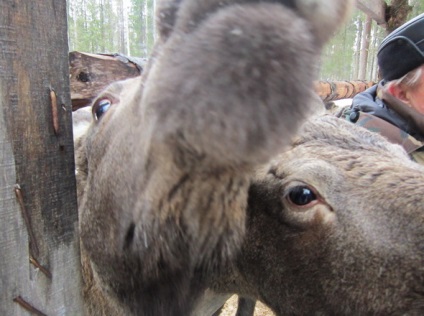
[365, 45]
[358, 41]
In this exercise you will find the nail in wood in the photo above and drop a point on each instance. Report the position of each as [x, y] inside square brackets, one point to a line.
[25, 215]
[19, 300]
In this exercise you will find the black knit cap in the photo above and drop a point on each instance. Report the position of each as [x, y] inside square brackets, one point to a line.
[402, 50]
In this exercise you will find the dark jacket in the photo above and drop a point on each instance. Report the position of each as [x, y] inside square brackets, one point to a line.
[383, 113]
[369, 102]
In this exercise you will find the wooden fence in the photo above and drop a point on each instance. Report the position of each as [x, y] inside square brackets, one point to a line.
[39, 248]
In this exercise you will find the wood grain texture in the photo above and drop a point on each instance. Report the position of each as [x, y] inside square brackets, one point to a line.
[375, 9]
[38, 161]
[91, 73]
[337, 90]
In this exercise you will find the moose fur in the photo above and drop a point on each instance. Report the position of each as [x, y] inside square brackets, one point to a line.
[191, 179]
[356, 248]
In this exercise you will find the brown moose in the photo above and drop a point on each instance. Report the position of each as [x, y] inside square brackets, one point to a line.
[192, 177]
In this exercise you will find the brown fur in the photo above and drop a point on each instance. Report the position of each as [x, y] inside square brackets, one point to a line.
[357, 250]
[169, 165]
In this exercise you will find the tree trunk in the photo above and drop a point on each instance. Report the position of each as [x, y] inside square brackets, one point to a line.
[358, 49]
[121, 28]
[39, 245]
[374, 62]
[363, 59]
[397, 14]
[103, 24]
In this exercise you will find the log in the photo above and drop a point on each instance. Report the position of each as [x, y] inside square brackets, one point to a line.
[337, 90]
[91, 73]
[39, 244]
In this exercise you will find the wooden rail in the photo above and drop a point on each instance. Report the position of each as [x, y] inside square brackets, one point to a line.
[337, 90]
[91, 73]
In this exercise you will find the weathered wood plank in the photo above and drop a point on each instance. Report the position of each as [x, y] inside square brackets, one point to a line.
[91, 73]
[37, 181]
[376, 9]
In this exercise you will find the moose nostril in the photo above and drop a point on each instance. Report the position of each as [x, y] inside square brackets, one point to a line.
[129, 237]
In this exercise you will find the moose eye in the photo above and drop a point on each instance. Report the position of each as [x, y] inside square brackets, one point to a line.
[100, 108]
[301, 195]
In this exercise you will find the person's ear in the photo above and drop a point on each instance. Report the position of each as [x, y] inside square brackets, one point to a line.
[398, 92]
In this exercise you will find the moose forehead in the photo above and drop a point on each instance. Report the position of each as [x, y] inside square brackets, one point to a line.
[346, 147]
[351, 168]
[367, 195]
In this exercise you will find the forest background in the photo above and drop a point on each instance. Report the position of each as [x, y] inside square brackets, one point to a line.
[127, 27]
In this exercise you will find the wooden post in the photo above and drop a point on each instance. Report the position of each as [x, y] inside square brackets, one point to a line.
[39, 246]
[91, 73]
[375, 9]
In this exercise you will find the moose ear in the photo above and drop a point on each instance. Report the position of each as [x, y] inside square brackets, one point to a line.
[304, 206]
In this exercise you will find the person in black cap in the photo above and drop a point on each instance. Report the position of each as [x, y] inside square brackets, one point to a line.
[395, 107]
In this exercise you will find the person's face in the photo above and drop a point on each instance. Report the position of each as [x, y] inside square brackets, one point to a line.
[415, 97]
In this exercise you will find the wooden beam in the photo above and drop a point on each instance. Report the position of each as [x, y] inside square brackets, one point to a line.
[376, 9]
[337, 90]
[91, 73]
[39, 243]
